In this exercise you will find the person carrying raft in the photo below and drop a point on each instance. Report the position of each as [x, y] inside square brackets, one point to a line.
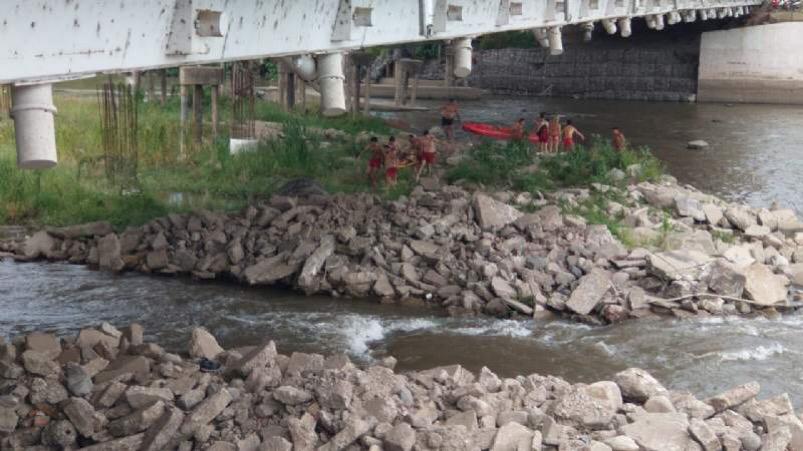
[569, 132]
[542, 131]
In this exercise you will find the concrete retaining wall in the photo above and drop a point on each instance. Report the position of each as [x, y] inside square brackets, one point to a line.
[761, 64]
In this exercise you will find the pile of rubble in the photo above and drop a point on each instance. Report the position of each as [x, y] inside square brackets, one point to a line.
[690, 253]
[107, 389]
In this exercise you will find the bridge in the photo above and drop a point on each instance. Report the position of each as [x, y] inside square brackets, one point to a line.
[43, 41]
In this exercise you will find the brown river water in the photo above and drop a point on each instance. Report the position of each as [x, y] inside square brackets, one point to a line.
[756, 156]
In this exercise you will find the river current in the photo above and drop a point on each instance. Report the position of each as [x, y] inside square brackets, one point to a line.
[755, 156]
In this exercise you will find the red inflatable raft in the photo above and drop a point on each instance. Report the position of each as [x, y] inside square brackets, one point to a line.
[494, 132]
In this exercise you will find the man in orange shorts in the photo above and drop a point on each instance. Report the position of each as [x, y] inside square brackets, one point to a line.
[542, 130]
[569, 132]
[375, 160]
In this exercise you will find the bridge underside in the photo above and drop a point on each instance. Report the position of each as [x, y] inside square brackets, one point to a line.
[43, 41]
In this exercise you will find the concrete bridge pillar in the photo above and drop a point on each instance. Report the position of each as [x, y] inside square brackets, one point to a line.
[332, 83]
[555, 41]
[34, 127]
[624, 27]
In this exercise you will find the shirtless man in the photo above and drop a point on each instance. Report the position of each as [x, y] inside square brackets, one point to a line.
[569, 132]
[517, 131]
[618, 140]
[375, 160]
[554, 134]
[542, 130]
[427, 156]
[391, 163]
[449, 113]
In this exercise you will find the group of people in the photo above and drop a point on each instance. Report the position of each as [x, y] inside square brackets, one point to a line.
[420, 154]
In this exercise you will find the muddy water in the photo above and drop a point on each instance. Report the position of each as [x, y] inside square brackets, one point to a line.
[703, 356]
[755, 153]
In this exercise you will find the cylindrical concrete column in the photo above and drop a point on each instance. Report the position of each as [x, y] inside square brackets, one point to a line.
[650, 20]
[689, 16]
[588, 31]
[659, 22]
[304, 66]
[609, 25]
[674, 18]
[34, 127]
[624, 27]
[703, 14]
[331, 80]
[555, 41]
[462, 57]
[541, 36]
[712, 13]
[721, 13]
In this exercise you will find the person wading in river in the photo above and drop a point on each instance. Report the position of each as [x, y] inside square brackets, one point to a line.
[554, 134]
[427, 154]
[618, 139]
[375, 160]
[569, 132]
[542, 130]
[449, 113]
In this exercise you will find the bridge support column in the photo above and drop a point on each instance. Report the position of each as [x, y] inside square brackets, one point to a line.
[462, 57]
[541, 36]
[555, 41]
[34, 126]
[332, 80]
[659, 22]
[588, 31]
[703, 14]
[674, 18]
[624, 27]
[689, 16]
[609, 25]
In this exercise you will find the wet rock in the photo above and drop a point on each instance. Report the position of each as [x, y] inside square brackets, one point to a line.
[79, 382]
[764, 287]
[734, 396]
[638, 385]
[269, 270]
[314, 263]
[725, 279]
[492, 214]
[203, 344]
[109, 253]
[41, 244]
[589, 292]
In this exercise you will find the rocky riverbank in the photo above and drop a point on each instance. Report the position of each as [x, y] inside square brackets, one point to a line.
[108, 389]
[688, 253]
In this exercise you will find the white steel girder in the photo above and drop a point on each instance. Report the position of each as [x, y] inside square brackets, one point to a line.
[51, 40]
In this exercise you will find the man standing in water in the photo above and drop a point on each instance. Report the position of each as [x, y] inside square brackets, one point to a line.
[449, 113]
[568, 136]
[427, 152]
[618, 140]
[542, 131]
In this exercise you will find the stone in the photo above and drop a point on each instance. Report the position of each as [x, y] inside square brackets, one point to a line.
[46, 344]
[704, 435]
[579, 408]
[270, 270]
[302, 431]
[159, 435]
[136, 365]
[221, 446]
[131, 443]
[697, 144]
[259, 357]
[713, 214]
[137, 421]
[502, 288]
[764, 287]
[757, 231]
[304, 364]
[109, 253]
[78, 381]
[400, 438]
[134, 334]
[89, 338]
[314, 264]
[8, 420]
[83, 416]
[725, 279]
[677, 265]
[512, 437]
[206, 411]
[60, 433]
[109, 396]
[660, 432]
[139, 397]
[290, 395]
[492, 214]
[659, 404]
[426, 249]
[88, 230]
[156, 260]
[204, 345]
[276, 443]
[739, 218]
[622, 443]
[40, 244]
[734, 396]
[335, 394]
[638, 385]
[689, 207]
[588, 294]
[608, 392]
[354, 429]
[39, 364]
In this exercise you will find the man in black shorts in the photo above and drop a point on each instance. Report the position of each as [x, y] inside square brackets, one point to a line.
[449, 113]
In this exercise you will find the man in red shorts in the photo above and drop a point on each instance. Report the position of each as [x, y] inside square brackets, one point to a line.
[542, 130]
[427, 159]
[569, 131]
[375, 161]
